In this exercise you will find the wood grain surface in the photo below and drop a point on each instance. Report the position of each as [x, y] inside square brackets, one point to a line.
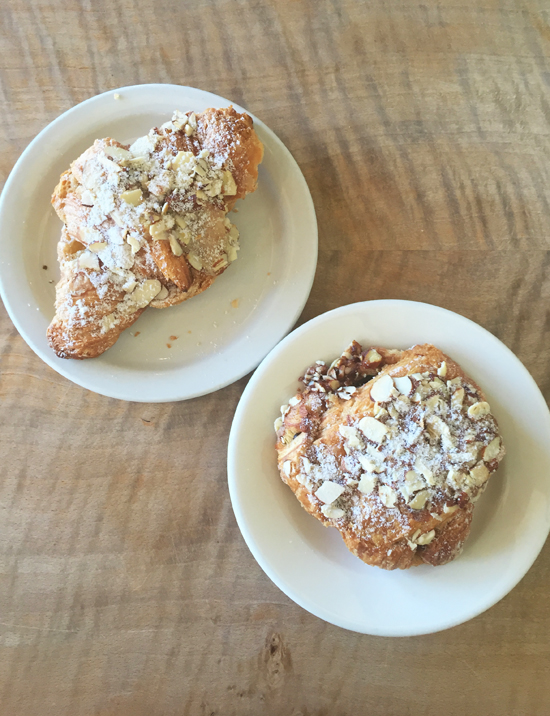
[423, 132]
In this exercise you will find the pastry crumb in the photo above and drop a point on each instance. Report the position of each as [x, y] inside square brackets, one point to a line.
[136, 334]
[116, 95]
[174, 338]
[169, 345]
[45, 267]
[235, 303]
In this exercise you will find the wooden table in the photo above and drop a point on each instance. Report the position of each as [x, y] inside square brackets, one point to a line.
[422, 129]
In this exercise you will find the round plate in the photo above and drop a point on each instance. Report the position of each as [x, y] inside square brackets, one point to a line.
[223, 333]
[311, 564]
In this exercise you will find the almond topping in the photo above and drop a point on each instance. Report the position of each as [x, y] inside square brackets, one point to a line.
[352, 436]
[373, 429]
[478, 410]
[387, 495]
[134, 243]
[98, 246]
[492, 450]
[329, 492]
[373, 356]
[194, 261]
[367, 483]
[419, 500]
[381, 390]
[175, 246]
[132, 197]
[229, 187]
[333, 513]
[403, 385]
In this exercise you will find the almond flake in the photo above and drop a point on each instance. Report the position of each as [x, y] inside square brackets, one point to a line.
[419, 500]
[492, 450]
[352, 436]
[373, 356]
[98, 246]
[329, 492]
[367, 483]
[480, 473]
[333, 513]
[403, 385]
[381, 390]
[478, 410]
[425, 538]
[387, 495]
[373, 429]
[175, 245]
[132, 197]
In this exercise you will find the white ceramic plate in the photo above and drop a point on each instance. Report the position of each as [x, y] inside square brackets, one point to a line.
[311, 564]
[217, 343]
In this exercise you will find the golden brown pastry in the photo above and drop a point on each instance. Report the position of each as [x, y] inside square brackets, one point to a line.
[392, 448]
[146, 224]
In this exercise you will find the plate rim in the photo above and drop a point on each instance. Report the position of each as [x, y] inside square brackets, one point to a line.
[263, 562]
[245, 367]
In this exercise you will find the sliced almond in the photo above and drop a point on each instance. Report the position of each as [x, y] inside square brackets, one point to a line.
[162, 294]
[195, 262]
[425, 538]
[373, 356]
[449, 509]
[108, 164]
[117, 153]
[480, 473]
[419, 500]
[373, 429]
[387, 496]
[229, 187]
[457, 399]
[492, 450]
[88, 260]
[98, 246]
[134, 243]
[175, 245]
[329, 492]
[333, 513]
[381, 390]
[87, 198]
[403, 385]
[442, 370]
[367, 483]
[158, 231]
[352, 436]
[182, 158]
[425, 471]
[478, 410]
[132, 196]
[146, 292]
